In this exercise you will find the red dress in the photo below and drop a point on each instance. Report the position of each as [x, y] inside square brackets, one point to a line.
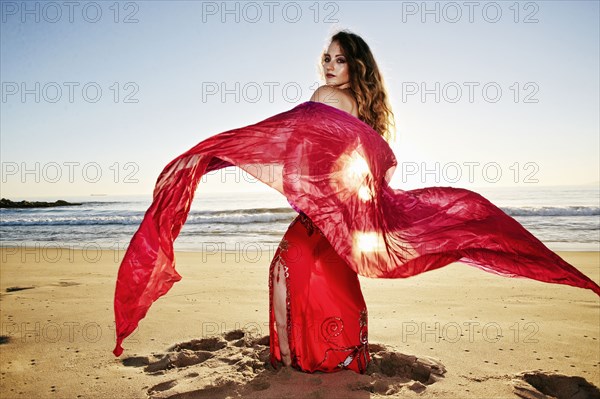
[325, 308]
[336, 169]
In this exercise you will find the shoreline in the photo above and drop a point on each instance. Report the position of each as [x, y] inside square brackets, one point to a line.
[483, 328]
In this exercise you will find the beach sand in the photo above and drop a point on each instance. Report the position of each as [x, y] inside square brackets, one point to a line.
[456, 332]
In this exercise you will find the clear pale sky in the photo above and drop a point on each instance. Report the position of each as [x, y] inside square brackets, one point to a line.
[155, 63]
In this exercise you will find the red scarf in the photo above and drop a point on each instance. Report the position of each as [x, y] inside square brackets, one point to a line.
[336, 169]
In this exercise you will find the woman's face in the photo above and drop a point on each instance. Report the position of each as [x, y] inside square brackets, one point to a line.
[335, 67]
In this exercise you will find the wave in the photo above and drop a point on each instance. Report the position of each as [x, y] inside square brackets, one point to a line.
[107, 217]
[238, 217]
[553, 211]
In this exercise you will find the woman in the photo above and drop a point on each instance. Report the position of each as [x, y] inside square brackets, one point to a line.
[328, 158]
[318, 317]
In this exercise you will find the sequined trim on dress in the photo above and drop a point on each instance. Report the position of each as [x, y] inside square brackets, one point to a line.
[333, 327]
[278, 260]
[308, 224]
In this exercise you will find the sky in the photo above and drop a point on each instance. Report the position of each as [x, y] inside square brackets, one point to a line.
[97, 97]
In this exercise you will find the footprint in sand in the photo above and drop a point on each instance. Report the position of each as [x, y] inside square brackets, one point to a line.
[163, 386]
[207, 344]
[13, 289]
[183, 358]
[540, 385]
[66, 283]
[391, 371]
[137, 361]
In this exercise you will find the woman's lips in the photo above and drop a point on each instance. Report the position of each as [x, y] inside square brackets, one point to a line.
[329, 75]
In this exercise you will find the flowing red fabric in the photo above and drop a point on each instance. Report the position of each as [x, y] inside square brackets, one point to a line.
[336, 169]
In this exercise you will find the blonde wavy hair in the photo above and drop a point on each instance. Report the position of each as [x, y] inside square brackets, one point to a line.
[366, 83]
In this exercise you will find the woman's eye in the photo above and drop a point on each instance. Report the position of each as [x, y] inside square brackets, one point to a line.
[341, 61]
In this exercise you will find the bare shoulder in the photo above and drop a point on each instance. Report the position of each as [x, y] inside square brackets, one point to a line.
[338, 98]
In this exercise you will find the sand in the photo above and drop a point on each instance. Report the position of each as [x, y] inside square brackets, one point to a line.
[457, 332]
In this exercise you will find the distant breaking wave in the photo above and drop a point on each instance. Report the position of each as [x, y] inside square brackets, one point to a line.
[554, 211]
[240, 216]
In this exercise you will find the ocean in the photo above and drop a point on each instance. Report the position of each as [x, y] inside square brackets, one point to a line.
[564, 218]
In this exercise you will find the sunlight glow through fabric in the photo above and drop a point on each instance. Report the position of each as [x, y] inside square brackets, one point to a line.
[336, 169]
